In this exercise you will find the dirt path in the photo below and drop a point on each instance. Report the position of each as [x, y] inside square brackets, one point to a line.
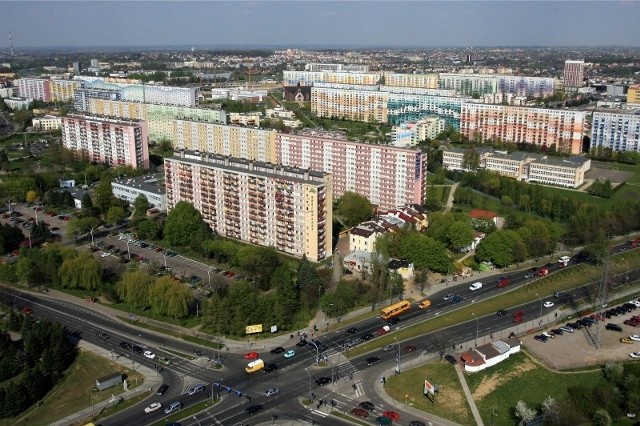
[450, 199]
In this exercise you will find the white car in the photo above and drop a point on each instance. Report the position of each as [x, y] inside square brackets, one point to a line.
[153, 407]
[475, 286]
[104, 254]
[635, 337]
[548, 304]
[271, 391]
[149, 354]
[634, 354]
[635, 302]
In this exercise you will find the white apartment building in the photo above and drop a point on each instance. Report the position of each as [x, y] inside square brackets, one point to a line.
[424, 81]
[310, 78]
[18, 104]
[336, 67]
[619, 132]
[453, 158]
[47, 123]
[34, 88]
[9, 92]
[361, 105]
[151, 186]
[107, 140]
[514, 165]
[288, 117]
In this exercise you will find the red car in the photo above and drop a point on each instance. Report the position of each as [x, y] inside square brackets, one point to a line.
[392, 415]
[384, 330]
[251, 355]
[409, 348]
[360, 412]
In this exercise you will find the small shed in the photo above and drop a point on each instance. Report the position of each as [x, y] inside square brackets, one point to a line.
[108, 381]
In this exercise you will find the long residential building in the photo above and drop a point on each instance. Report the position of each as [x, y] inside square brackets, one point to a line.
[107, 140]
[616, 131]
[309, 78]
[537, 126]
[151, 94]
[63, 90]
[388, 176]
[480, 84]
[264, 204]
[160, 118]
[425, 81]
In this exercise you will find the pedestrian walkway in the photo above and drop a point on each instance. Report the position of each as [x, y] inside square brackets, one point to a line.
[467, 393]
[151, 381]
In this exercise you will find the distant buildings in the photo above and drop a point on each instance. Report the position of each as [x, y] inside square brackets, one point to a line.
[619, 132]
[480, 84]
[573, 74]
[536, 126]
[264, 204]
[145, 93]
[107, 140]
[536, 168]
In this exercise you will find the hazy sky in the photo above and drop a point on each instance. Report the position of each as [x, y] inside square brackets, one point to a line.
[325, 23]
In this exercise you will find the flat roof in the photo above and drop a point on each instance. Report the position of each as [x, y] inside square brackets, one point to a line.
[150, 183]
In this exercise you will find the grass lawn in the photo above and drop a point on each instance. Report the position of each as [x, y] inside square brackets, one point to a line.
[520, 378]
[450, 402]
[438, 193]
[75, 391]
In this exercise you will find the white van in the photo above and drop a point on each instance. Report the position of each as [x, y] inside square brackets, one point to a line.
[254, 366]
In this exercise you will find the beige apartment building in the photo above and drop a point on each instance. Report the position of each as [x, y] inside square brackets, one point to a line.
[264, 204]
[63, 90]
[425, 81]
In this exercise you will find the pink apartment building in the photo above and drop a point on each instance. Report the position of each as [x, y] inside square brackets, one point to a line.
[117, 142]
[537, 126]
[35, 88]
[388, 176]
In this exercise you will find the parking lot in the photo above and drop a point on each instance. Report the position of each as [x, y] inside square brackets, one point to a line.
[578, 349]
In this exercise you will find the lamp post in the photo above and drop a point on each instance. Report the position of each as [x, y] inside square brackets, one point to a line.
[540, 305]
[29, 239]
[35, 211]
[477, 327]
[165, 260]
[397, 357]
[317, 351]
[194, 418]
[9, 202]
[208, 272]
[128, 251]
[307, 370]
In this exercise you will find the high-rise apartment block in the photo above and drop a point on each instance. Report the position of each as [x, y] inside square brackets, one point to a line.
[537, 126]
[424, 81]
[160, 118]
[63, 90]
[260, 203]
[616, 131]
[107, 140]
[159, 95]
[387, 176]
[573, 74]
[481, 84]
[633, 94]
[309, 78]
[35, 88]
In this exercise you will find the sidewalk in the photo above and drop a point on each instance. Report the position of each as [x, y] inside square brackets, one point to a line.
[151, 381]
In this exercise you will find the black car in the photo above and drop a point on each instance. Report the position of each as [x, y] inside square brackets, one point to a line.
[276, 351]
[456, 299]
[502, 313]
[584, 322]
[393, 321]
[574, 325]
[103, 336]
[372, 360]
[137, 349]
[541, 338]
[452, 359]
[613, 327]
[125, 345]
[269, 368]
[366, 337]
[301, 343]
[162, 389]
[416, 423]
[367, 405]
[321, 381]
[351, 330]
[557, 331]
[253, 409]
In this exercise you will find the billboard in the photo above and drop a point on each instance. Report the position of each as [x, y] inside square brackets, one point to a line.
[257, 328]
[428, 388]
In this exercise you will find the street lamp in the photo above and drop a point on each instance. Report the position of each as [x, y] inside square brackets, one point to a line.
[9, 202]
[194, 418]
[307, 370]
[540, 305]
[165, 259]
[311, 342]
[397, 357]
[35, 210]
[208, 272]
[128, 251]
[477, 327]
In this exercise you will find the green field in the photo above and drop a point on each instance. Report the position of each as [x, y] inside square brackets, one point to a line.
[439, 194]
[75, 392]
[450, 402]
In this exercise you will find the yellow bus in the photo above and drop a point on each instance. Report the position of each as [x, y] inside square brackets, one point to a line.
[395, 309]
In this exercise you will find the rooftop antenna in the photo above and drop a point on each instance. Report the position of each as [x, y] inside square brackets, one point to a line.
[11, 42]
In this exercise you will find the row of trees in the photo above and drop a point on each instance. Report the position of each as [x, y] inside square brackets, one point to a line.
[41, 357]
[10, 238]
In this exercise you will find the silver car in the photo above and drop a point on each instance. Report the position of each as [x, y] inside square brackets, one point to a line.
[271, 391]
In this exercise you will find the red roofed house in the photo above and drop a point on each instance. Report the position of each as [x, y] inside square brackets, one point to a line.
[489, 355]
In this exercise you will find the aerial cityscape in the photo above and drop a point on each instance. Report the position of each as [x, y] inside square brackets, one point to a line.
[319, 213]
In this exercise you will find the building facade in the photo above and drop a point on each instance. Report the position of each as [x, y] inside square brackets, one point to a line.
[144, 93]
[35, 88]
[537, 126]
[388, 176]
[573, 74]
[18, 104]
[424, 81]
[151, 186]
[63, 90]
[481, 84]
[260, 203]
[616, 131]
[568, 172]
[410, 134]
[47, 123]
[160, 118]
[107, 140]
[633, 94]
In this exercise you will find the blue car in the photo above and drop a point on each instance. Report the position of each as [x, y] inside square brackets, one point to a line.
[289, 353]
[456, 299]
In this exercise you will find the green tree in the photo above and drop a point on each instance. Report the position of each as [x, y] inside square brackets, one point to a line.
[135, 288]
[81, 272]
[182, 224]
[354, 208]
[459, 235]
[81, 225]
[87, 206]
[147, 229]
[471, 160]
[140, 205]
[116, 214]
[103, 196]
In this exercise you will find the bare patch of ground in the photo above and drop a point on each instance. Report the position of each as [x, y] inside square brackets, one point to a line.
[489, 383]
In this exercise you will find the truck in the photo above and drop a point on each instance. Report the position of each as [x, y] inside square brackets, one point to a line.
[543, 272]
[503, 282]
[254, 366]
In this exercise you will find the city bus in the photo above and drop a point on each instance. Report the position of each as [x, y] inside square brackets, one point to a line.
[395, 309]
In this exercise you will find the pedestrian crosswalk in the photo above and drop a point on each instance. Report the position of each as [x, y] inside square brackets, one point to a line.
[319, 413]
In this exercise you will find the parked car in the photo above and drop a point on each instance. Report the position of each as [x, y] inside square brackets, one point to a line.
[613, 327]
[626, 340]
[541, 338]
[452, 359]
[566, 329]
[634, 354]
